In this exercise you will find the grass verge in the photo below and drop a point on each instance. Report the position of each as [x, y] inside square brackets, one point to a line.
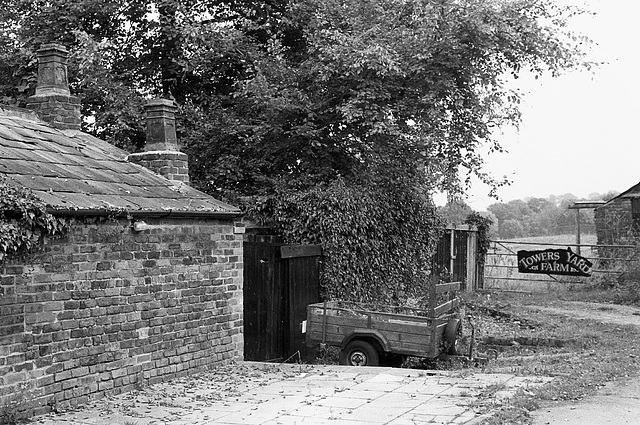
[596, 352]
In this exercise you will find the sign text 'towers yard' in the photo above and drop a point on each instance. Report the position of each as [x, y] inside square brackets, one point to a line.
[554, 261]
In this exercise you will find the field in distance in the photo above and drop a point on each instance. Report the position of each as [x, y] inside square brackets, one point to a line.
[532, 243]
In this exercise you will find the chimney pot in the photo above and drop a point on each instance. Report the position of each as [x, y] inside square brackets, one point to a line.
[52, 70]
[53, 101]
[161, 125]
[161, 153]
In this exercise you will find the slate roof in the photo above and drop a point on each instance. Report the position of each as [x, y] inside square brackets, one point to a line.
[76, 173]
[632, 192]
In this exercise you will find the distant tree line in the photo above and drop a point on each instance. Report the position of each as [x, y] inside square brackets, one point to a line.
[531, 216]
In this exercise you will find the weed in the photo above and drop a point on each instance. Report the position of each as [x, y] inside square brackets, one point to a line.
[8, 416]
[16, 410]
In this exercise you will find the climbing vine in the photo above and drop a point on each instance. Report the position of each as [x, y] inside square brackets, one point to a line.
[377, 242]
[483, 224]
[24, 221]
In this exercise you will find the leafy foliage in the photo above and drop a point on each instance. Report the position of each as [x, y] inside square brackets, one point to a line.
[377, 242]
[368, 105]
[24, 221]
[483, 224]
[306, 90]
[542, 217]
[455, 211]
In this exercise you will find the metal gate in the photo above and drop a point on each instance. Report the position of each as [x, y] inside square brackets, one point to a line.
[279, 282]
[501, 266]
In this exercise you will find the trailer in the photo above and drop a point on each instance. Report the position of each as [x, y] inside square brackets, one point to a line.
[367, 333]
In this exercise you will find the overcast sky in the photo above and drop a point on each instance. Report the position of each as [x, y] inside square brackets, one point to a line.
[580, 132]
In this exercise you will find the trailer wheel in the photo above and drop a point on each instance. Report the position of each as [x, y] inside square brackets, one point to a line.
[359, 353]
[451, 334]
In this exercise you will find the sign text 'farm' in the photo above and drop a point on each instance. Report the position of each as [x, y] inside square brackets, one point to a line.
[554, 261]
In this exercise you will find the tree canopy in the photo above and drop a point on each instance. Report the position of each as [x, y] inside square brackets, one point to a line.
[301, 90]
[280, 99]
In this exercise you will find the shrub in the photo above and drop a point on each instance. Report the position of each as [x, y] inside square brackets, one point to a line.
[24, 221]
[377, 241]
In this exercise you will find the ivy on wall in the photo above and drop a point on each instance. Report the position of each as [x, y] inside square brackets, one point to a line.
[483, 224]
[24, 221]
[377, 242]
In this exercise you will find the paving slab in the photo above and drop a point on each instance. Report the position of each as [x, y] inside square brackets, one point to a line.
[266, 393]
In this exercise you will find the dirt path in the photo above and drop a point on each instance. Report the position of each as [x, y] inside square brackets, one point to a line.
[606, 313]
[617, 402]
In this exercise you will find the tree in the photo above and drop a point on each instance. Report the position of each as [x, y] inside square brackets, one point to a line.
[281, 97]
[304, 90]
[511, 229]
[541, 217]
[455, 211]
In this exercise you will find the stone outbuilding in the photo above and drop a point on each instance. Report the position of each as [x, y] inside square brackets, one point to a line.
[147, 284]
[618, 220]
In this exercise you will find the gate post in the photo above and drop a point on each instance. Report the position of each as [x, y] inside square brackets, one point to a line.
[472, 260]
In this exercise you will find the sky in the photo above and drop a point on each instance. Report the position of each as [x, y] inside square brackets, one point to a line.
[580, 133]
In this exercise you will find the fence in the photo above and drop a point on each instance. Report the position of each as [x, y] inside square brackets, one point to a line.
[501, 266]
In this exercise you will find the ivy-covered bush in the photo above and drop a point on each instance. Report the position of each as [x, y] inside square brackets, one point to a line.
[24, 221]
[377, 242]
[483, 224]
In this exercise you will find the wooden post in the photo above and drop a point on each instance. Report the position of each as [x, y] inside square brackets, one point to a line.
[578, 231]
[324, 323]
[452, 253]
[472, 248]
[578, 205]
[433, 295]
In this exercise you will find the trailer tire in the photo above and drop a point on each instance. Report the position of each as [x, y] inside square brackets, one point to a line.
[359, 353]
[451, 334]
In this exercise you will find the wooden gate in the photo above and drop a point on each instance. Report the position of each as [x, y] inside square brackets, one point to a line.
[279, 282]
[455, 257]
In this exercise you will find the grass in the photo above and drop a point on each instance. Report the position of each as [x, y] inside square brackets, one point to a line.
[598, 353]
[568, 239]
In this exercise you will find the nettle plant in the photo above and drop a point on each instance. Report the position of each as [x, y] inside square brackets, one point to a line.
[24, 221]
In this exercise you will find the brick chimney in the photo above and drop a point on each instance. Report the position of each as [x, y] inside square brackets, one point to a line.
[161, 150]
[53, 102]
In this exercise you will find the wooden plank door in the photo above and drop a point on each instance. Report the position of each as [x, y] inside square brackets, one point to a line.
[264, 302]
[303, 276]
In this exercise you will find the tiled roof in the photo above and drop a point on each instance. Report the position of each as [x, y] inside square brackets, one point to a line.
[75, 173]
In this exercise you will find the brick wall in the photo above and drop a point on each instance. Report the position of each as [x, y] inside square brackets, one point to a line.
[613, 222]
[170, 165]
[62, 112]
[106, 309]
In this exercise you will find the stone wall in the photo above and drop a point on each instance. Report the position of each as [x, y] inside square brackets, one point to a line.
[613, 221]
[108, 309]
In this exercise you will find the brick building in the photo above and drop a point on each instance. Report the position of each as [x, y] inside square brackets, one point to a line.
[617, 220]
[147, 284]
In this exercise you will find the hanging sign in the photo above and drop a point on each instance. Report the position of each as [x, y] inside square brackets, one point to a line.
[554, 261]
